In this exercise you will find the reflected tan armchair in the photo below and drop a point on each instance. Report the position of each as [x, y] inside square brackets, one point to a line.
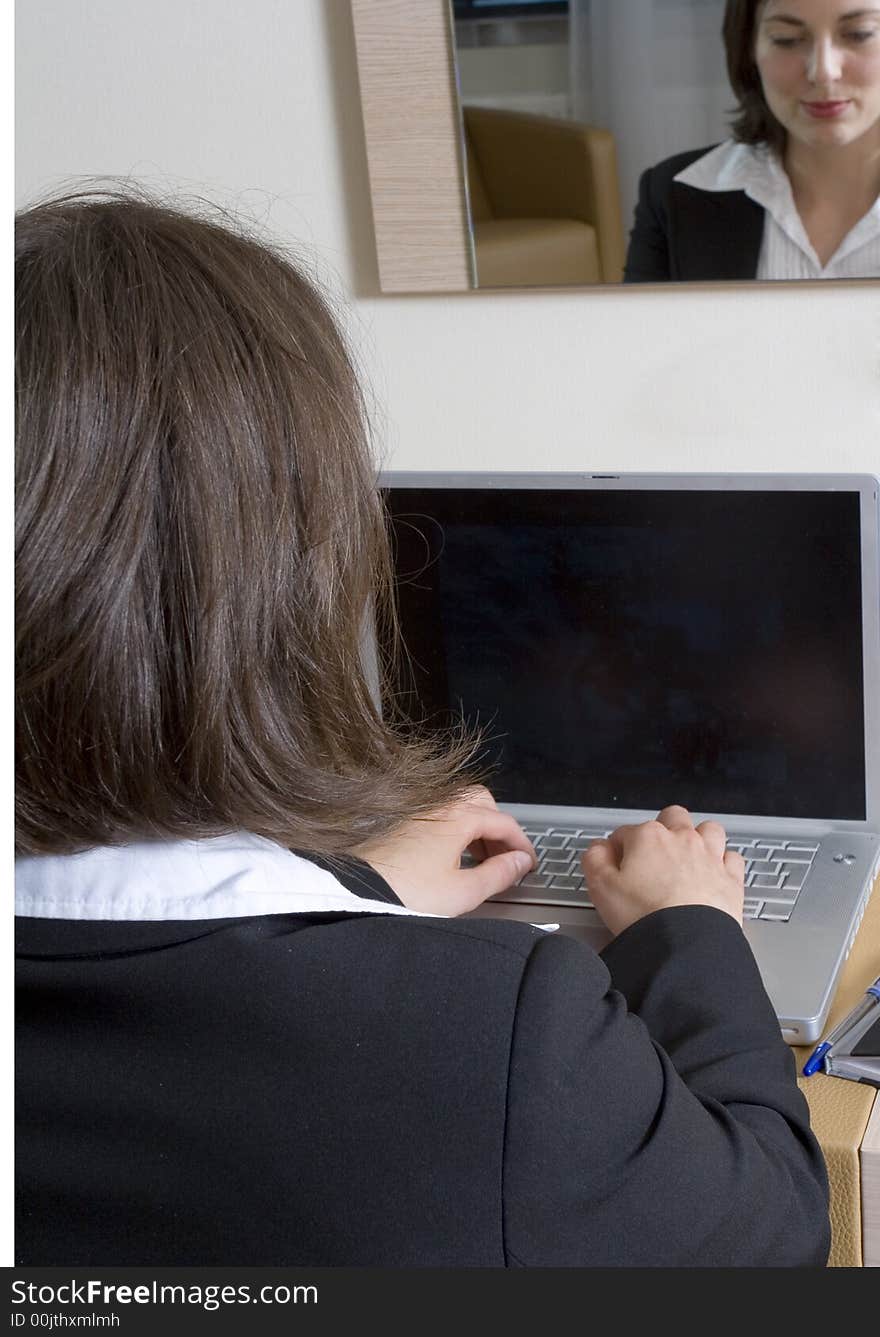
[544, 198]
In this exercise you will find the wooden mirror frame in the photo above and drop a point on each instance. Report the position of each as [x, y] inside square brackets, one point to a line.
[414, 149]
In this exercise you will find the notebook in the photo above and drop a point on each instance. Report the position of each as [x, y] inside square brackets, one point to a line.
[626, 642]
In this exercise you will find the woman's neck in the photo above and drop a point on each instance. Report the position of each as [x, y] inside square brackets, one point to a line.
[846, 176]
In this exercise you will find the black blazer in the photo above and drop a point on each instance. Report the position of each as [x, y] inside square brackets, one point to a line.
[336, 1089]
[682, 233]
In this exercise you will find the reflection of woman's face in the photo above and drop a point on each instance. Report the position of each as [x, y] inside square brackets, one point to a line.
[819, 62]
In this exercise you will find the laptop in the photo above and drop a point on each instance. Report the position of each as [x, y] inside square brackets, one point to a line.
[626, 642]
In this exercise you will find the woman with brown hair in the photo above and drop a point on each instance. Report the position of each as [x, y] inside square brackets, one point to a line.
[252, 1027]
[795, 193]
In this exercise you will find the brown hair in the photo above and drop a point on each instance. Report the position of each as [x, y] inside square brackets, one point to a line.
[754, 122]
[198, 539]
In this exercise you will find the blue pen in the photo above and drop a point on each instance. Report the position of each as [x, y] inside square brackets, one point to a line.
[869, 1003]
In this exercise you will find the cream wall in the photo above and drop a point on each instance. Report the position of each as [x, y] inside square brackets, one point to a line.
[256, 104]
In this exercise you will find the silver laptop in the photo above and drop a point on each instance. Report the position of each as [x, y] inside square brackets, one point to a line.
[631, 641]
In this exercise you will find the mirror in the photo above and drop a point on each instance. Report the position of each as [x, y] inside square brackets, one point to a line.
[566, 103]
[509, 142]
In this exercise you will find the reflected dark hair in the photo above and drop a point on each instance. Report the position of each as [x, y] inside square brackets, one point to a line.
[754, 122]
[198, 541]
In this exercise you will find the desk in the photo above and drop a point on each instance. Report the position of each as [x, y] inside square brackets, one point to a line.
[839, 1110]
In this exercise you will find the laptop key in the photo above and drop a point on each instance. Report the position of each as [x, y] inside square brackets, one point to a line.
[782, 895]
[551, 869]
[535, 880]
[796, 876]
[766, 881]
[571, 882]
[774, 908]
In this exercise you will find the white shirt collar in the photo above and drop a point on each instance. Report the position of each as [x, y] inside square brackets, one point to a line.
[217, 878]
[732, 166]
[756, 169]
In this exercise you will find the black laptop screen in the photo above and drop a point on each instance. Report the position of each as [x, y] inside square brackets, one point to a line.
[631, 649]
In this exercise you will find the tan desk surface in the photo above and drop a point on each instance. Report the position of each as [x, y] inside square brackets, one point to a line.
[839, 1109]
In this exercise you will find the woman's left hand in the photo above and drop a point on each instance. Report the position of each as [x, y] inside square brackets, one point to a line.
[422, 861]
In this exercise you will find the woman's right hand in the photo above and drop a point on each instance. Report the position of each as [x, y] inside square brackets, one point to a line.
[658, 864]
[421, 860]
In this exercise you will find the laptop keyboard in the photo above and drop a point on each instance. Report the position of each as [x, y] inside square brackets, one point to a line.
[775, 871]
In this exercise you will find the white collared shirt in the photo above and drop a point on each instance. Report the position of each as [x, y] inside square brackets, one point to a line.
[221, 877]
[786, 250]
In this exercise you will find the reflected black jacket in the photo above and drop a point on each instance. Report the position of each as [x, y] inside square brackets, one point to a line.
[683, 233]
